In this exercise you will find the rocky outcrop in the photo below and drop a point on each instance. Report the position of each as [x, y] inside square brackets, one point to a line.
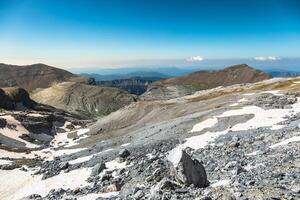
[201, 80]
[84, 100]
[15, 97]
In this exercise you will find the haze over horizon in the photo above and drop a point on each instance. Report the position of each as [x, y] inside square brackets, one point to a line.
[110, 34]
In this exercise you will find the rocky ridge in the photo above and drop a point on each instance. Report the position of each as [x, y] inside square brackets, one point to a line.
[202, 80]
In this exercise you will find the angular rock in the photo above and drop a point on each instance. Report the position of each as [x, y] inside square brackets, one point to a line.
[2, 123]
[124, 153]
[138, 195]
[63, 165]
[98, 169]
[115, 187]
[187, 170]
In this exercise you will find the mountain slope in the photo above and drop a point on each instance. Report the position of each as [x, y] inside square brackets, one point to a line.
[31, 77]
[202, 80]
[82, 99]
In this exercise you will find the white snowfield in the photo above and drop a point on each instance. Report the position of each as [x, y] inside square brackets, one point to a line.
[262, 118]
[19, 184]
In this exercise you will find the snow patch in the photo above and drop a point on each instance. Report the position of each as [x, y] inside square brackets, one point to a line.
[234, 104]
[19, 184]
[254, 153]
[248, 94]
[200, 141]
[94, 196]
[81, 159]
[124, 145]
[220, 183]
[16, 133]
[243, 100]
[208, 123]
[286, 142]
[274, 92]
[82, 131]
[5, 162]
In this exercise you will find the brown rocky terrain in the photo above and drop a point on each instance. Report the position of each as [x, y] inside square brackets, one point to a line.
[180, 86]
[31, 77]
[83, 99]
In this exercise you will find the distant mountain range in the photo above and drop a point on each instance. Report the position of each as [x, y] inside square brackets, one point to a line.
[145, 71]
[147, 75]
[283, 73]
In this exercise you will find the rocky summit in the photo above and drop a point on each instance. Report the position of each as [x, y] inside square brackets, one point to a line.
[201, 80]
[31, 77]
[238, 142]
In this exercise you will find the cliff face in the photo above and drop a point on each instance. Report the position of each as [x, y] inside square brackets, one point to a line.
[11, 98]
[31, 77]
[202, 80]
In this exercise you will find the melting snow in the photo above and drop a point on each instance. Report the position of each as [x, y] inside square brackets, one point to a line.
[5, 162]
[205, 124]
[234, 104]
[242, 100]
[254, 153]
[81, 159]
[274, 92]
[82, 131]
[15, 134]
[108, 150]
[262, 118]
[285, 142]
[249, 94]
[124, 145]
[200, 141]
[220, 183]
[19, 184]
[94, 196]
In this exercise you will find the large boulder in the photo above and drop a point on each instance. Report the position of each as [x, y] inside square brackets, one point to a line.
[187, 170]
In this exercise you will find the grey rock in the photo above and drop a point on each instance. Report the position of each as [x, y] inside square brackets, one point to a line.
[124, 153]
[97, 169]
[190, 171]
[63, 165]
[138, 195]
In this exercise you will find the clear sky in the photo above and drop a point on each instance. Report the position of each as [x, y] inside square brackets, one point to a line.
[116, 33]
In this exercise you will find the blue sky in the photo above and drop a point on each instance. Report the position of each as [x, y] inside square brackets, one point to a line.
[117, 33]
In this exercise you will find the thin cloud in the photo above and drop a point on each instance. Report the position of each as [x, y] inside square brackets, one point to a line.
[266, 58]
[196, 59]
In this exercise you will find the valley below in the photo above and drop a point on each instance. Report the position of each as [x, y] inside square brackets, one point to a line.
[239, 141]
